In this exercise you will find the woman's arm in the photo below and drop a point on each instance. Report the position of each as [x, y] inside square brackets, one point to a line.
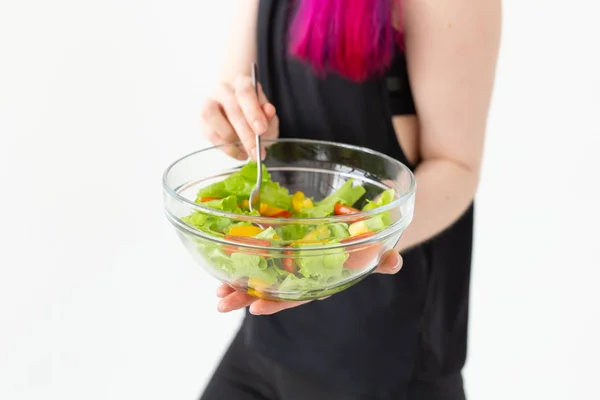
[241, 46]
[235, 112]
[451, 51]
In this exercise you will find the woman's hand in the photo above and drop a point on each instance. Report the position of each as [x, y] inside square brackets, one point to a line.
[232, 299]
[235, 114]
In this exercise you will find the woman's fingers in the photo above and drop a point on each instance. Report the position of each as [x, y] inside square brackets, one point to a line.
[269, 110]
[227, 98]
[266, 307]
[232, 299]
[256, 118]
[390, 263]
[219, 131]
[235, 301]
[238, 114]
[224, 290]
[250, 103]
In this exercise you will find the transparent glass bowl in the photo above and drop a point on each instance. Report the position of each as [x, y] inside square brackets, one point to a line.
[317, 169]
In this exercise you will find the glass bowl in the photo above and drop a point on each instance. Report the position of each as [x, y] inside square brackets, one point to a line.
[292, 269]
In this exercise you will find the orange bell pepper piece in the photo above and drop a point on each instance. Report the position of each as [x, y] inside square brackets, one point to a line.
[206, 199]
[269, 211]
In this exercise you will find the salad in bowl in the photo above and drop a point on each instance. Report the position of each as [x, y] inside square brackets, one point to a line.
[321, 226]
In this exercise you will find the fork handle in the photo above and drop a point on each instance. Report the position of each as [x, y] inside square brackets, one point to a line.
[258, 141]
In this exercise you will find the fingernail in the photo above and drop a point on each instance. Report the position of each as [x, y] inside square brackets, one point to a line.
[397, 262]
[241, 155]
[221, 307]
[259, 127]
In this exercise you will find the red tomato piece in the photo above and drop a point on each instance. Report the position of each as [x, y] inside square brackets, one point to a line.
[282, 214]
[361, 255]
[340, 209]
[289, 264]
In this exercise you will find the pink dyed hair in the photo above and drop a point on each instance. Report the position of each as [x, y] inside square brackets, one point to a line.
[354, 38]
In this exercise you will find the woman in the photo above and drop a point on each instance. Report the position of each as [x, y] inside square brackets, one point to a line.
[412, 79]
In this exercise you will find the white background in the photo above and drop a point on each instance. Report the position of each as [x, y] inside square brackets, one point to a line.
[98, 299]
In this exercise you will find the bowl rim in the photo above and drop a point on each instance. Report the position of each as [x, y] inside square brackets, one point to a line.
[399, 200]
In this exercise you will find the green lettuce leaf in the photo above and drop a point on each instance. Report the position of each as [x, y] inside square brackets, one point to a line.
[215, 256]
[273, 194]
[229, 204]
[241, 183]
[294, 284]
[376, 223]
[346, 194]
[254, 266]
[249, 170]
[292, 232]
[385, 218]
[338, 231]
[321, 267]
[216, 225]
[217, 189]
[384, 198]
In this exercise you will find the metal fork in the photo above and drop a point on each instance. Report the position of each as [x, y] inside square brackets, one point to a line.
[254, 202]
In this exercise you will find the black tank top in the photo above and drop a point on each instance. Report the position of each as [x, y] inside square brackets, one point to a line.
[386, 331]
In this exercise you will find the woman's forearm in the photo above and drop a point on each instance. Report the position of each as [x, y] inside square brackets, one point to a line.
[445, 190]
[241, 46]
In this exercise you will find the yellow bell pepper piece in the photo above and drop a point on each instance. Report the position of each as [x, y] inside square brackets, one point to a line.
[316, 236]
[245, 230]
[257, 284]
[256, 293]
[358, 228]
[300, 202]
